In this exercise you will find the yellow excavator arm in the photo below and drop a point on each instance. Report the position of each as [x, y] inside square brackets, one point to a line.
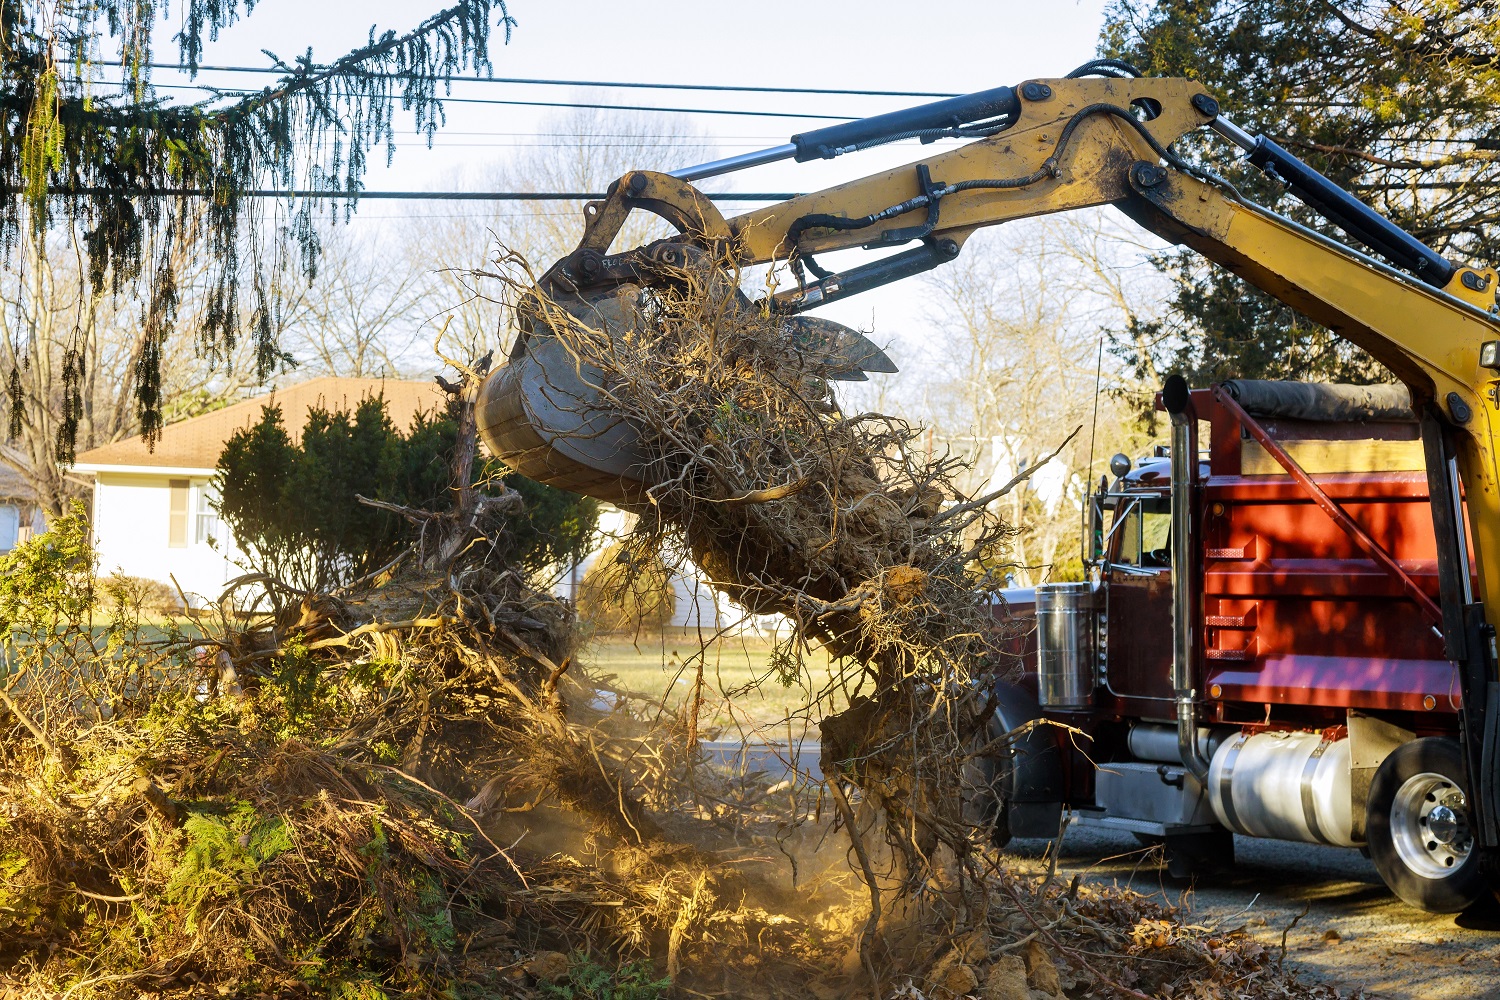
[1051, 146]
[1067, 144]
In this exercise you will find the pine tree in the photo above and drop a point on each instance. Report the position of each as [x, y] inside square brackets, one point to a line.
[128, 170]
[1396, 100]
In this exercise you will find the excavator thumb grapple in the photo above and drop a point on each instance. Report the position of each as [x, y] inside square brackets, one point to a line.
[546, 412]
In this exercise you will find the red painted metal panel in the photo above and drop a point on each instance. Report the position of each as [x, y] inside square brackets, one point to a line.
[1358, 534]
[1325, 624]
[1312, 578]
[1139, 646]
[1362, 683]
[1341, 486]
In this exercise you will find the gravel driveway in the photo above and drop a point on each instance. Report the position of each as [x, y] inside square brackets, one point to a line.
[1355, 932]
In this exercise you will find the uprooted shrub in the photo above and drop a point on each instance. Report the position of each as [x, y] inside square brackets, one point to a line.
[836, 520]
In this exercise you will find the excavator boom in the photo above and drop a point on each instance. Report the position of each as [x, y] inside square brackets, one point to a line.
[1042, 147]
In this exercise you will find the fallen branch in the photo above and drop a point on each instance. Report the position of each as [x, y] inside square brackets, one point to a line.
[438, 621]
[1016, 480]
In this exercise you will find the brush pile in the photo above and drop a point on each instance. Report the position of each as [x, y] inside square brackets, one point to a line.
[314, 803]
[416, 790]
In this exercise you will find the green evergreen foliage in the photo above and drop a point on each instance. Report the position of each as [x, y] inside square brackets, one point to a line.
[588, 980]
[222, 855]
[293, 506]
[49, 580]
[123, 167]
[1397, 101]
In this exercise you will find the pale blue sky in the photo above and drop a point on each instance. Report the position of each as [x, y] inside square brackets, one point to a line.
[957, 45]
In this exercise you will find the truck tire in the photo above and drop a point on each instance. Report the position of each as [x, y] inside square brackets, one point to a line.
[984, 802]
[1417, 827]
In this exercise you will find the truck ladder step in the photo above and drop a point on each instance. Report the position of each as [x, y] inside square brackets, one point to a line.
[1245, 621]
[1249, 552]
[1246, 655]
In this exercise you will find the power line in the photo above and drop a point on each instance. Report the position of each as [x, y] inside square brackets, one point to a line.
[531, 81]
[221, 92]
[410, 195]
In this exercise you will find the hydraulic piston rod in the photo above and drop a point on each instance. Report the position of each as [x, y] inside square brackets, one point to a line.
[989, 110]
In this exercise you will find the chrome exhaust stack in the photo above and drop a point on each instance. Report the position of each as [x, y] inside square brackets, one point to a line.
[1184, 480]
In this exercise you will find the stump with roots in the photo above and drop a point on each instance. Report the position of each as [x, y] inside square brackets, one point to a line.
[790, 504]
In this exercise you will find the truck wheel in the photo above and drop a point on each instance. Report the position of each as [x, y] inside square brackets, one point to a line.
[1418, 827]
[984, 804]
[1189, 855]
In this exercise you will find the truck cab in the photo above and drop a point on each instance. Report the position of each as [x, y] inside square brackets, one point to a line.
[1255, 649]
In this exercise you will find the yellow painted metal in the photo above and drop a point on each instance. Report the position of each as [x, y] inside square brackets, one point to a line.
[1481, 293]
[1429, 338]
[1092, 169]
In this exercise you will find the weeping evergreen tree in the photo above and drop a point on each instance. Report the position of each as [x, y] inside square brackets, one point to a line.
[131, 172]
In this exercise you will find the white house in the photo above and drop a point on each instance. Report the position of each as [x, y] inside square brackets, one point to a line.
[20, 517]
[154, 507]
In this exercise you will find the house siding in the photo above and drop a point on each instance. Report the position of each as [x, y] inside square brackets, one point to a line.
[132, 526]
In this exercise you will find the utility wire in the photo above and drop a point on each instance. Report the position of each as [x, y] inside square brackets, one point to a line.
[221, 92]
[409, 195]
[529, 81]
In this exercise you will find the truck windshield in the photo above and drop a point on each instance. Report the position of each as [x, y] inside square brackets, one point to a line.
[1145, 536]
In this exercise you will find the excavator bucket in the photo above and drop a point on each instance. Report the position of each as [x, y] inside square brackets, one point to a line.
[546, 413]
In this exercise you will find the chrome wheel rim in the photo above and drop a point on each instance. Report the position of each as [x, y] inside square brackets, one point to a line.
[1430, 825]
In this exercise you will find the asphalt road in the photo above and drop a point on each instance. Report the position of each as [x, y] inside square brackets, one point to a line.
[774, 758]
[1354, 934]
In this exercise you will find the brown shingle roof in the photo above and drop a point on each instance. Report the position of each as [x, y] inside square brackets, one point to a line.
[196, 443]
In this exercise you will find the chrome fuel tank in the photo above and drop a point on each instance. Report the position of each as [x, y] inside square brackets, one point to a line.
[1067, 661]
[1290, 786]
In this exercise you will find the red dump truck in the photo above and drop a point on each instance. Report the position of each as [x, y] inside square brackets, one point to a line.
[1257, 649]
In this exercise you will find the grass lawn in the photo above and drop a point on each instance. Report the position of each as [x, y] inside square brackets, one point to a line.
[740, 689]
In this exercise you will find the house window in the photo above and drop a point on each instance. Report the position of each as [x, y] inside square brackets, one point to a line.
[10, 528]
[177, 516]
[206, 519]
